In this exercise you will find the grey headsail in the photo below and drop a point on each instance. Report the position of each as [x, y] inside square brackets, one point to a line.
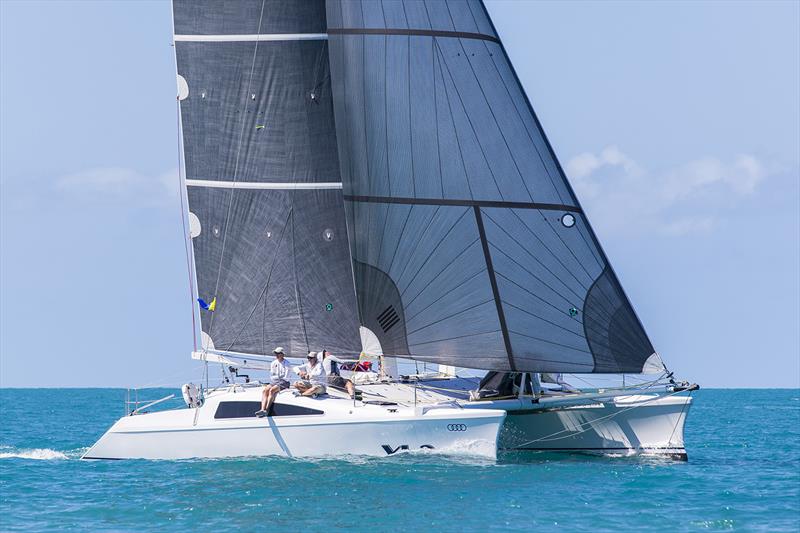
[469, 245]
[263, 176]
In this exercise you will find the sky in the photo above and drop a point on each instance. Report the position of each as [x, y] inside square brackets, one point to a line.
[678, 124]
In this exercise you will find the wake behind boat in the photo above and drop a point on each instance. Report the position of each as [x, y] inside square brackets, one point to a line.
[371, 179]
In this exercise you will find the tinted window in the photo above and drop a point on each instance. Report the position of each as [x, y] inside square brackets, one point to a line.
[248, 410]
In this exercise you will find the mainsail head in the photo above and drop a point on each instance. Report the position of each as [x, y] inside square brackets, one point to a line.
[264, 188]
[469, 245]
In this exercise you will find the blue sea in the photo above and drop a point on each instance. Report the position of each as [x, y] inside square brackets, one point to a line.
[743, 474]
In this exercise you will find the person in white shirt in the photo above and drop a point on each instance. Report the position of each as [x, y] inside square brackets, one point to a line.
[279, 380]
[312, 376]
[331, 365]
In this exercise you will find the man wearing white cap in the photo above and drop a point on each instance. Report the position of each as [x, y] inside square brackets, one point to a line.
[312, 376]
[279, 380]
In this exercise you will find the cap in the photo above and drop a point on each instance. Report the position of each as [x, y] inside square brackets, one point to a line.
[278, 350]
[311, 354]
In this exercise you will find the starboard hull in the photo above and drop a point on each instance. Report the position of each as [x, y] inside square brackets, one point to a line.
[344, 429]
[627, 425]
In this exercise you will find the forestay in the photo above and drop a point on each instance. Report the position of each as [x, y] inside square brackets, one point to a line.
[469, 245]
[264, 188]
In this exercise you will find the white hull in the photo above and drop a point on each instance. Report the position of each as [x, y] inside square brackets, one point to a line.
[606, 423]
[627, 425]
[344, 428]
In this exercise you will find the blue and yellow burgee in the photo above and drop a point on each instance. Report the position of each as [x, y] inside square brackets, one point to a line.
[208, 307]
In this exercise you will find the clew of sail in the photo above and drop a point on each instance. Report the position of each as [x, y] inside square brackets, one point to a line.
[264, 189]
[469, 246]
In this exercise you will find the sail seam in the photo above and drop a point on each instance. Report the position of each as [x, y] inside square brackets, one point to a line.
[264, 184]
[495, 291]
[250, 37]
[460, 203]
[413, 32]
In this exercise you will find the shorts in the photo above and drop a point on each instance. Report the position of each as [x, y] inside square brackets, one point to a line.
[337, 381]
[282, 383]
[318, 388]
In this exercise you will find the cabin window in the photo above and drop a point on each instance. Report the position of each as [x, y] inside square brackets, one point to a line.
[248, 410]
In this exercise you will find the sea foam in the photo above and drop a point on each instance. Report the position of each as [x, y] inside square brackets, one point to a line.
[41, 454]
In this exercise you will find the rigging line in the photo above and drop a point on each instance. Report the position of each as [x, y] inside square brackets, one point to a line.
[677, 420]
[453, 122]
[590, 423]
[297, 281]
[471, 125]
[186, 235]
[524, 249]
[317, 66]
[445, 293]
[494, 117]
[430, 255]
[490, 300]
[454, 261]
[236, 164]
[263, 291]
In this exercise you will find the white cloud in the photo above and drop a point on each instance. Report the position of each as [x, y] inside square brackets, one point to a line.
[687, 225]
[620, 194]
[121, 185]
[586, 163]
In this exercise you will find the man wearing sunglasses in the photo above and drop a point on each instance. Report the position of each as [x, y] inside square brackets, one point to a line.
[312, 376]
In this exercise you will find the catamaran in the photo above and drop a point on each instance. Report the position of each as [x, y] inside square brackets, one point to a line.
[370, 178]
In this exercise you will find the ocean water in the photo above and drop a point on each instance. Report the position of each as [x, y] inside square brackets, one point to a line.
[743, 474]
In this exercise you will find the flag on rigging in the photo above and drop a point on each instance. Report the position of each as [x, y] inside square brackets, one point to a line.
[207, 306]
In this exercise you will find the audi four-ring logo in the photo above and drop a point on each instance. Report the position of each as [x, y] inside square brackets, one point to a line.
[456, 427]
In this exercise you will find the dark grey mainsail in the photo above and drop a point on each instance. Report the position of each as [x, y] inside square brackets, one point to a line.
[263, 176]
[469, 245]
